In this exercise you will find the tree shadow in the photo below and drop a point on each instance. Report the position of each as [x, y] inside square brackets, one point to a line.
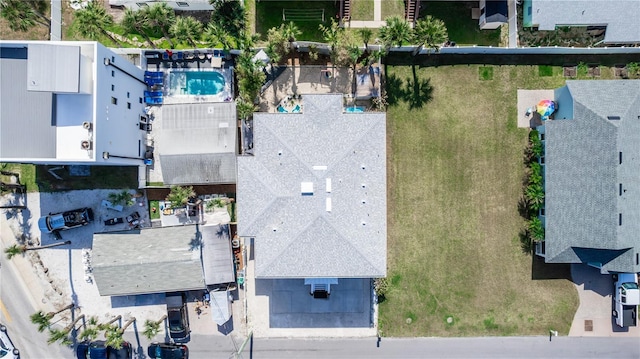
[139, 352]
[394, 89]
[414, 91]
[526, 244]
[418, 91]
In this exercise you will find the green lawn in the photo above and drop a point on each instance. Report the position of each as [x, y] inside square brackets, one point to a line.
[455, 178]
[392, 8]
[269, 14]
[462, 28]
[362, 10]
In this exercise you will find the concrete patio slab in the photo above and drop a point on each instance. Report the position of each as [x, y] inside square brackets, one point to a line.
[530, 98]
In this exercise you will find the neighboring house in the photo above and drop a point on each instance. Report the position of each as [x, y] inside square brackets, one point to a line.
[165, 259]
[493, 13]
[195, 143]
[69, 102]
[313, 195]
[591, 164]
[619, 17]
[187, 5]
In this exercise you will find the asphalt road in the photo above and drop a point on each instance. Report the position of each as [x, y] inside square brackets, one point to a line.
[489, 347]
[15, 309]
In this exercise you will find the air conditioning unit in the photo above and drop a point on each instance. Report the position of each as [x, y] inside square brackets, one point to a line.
[86, 125]
[86, 145]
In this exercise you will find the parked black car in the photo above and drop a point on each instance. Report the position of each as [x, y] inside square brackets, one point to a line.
[177, 316]
[99, 350]
[168, 351]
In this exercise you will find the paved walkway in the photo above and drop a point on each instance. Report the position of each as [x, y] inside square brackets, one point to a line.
[513, 24]
[377, 18]
[594, 290]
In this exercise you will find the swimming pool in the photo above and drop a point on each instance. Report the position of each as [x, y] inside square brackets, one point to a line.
[204, 83]
[196, 83]
[354, 109]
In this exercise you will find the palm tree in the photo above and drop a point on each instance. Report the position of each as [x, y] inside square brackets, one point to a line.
[536, 229]
[365, 34]
[135, 22]
[43, 321]
[20, 249]
[186, 29]
[91, 330]
[179, 196]
[22, 15]
[215, 35]
[244, 108]
[291, 32]
[93, 21]
[535, 196]
[331, 33]
[114, 335]
[152, 328]
[395, 32]
[62, 335]
[429, 32]
[354, 53]
[160, 17]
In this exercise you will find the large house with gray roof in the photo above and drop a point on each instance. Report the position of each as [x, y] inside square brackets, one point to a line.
[313, 195]
[619, 18]
[591, 163]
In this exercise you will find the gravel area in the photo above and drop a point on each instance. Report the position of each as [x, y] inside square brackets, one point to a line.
[62, 270]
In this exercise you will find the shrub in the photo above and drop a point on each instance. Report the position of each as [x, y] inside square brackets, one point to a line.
[380, 286]
[536, 229]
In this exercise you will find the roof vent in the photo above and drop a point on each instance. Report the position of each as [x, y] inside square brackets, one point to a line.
[85, 145]
[364, 185]
[364, 201]
[364, 223]
[280, 153]
[613, 118]
[328, 185]
[328, 204]
[363, 167]
[306, 188]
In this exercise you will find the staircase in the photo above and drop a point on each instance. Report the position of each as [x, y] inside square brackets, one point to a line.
[412, 10]
[346, 10]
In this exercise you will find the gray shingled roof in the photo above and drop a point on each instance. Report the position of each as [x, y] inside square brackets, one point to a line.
[196, 143]
[205, 168]
[583, 176]
[620, 16]
[217, 258]
[156, 260]
[27, 127]
[295, 235]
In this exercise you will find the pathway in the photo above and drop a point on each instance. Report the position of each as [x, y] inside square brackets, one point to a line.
[513, 24]
[377, 18]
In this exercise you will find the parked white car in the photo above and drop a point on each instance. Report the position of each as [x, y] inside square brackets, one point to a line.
[7, 350]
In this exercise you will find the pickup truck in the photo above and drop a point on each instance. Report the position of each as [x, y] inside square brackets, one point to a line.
[626, 298]
[55, 222]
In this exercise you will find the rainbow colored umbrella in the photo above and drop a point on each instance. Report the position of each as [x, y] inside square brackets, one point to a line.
[546, 108]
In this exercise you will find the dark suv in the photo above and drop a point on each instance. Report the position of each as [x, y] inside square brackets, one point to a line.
[168, 351]
[177, 316]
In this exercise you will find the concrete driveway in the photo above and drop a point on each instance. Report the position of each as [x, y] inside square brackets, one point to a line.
[594, 290]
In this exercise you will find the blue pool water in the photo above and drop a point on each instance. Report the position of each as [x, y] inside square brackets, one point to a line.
[353, 109]
[204, 82]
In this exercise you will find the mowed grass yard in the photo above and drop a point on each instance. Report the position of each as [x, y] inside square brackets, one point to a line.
[455, 178]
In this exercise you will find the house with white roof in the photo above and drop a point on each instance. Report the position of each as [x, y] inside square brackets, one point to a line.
[70, 102]
[313, 195]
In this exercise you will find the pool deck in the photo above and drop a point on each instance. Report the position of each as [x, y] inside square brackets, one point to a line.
[310, 80]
